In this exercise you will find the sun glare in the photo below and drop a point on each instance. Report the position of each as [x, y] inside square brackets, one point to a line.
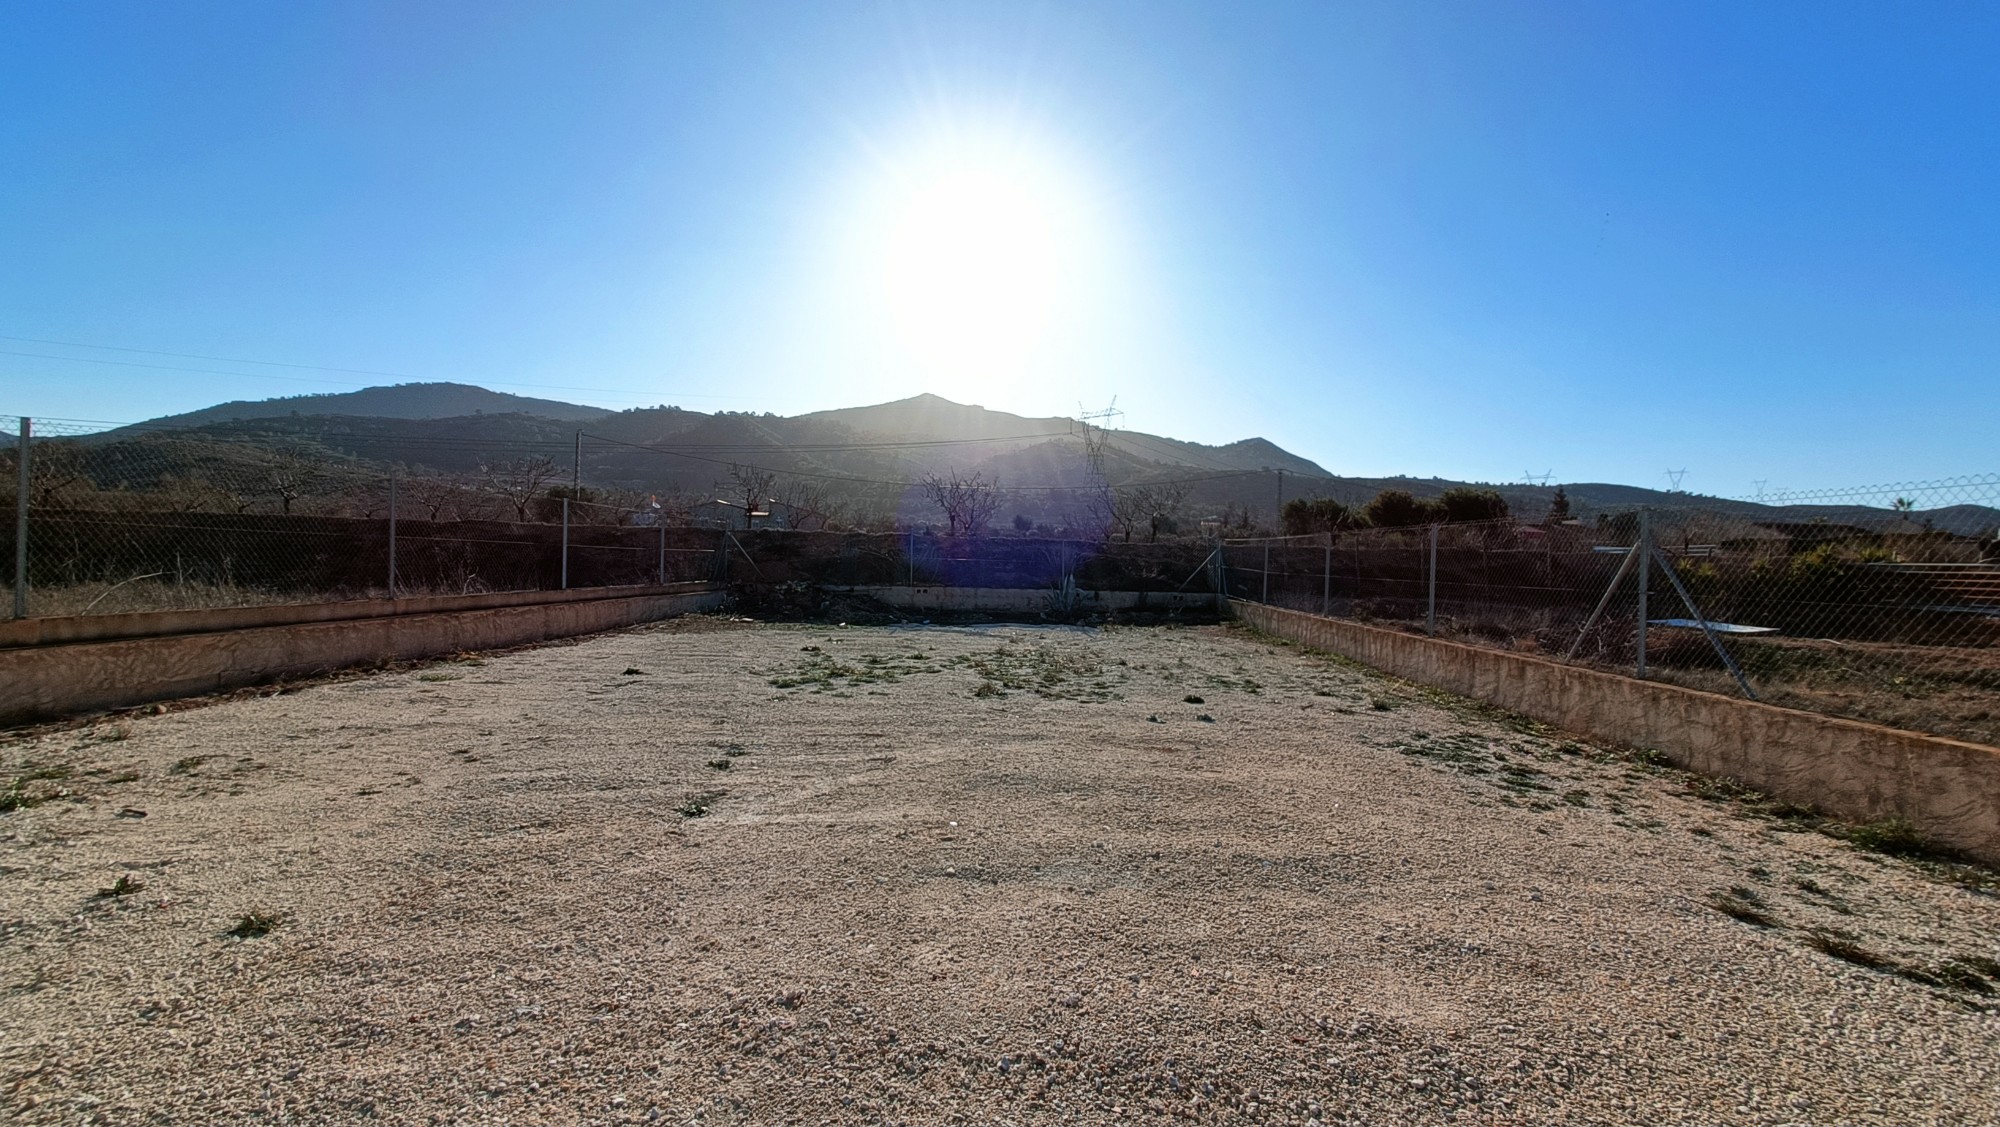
[979, 256]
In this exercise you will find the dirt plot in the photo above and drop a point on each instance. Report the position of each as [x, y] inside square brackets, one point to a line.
[720, 872]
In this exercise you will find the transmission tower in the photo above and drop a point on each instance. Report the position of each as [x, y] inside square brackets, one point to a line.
[1529, 477]
[1674, 479]
[1096, 428]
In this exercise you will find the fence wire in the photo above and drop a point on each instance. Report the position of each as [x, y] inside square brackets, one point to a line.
[1881, 604]
[141, 519]
[136, 519]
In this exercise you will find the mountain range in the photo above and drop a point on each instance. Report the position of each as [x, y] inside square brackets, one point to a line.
[869, 455]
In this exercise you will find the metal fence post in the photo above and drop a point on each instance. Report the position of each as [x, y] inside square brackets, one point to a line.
[663, 553]
[1267, 574]
[21, 519]
[392, 536]
[1645, 550]
[910, 556]
[1431, 596]
[1326, 581]
[565, 545]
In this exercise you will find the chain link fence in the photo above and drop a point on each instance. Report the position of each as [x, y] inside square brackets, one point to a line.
[142, 519]
[1881, 604]
[137, 520]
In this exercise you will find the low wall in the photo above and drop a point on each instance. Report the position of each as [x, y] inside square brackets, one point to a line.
[49, 681]
[1024, 600]
[1949, 790]
[51, 629]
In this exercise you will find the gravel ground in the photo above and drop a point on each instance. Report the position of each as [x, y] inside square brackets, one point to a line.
[718, 872]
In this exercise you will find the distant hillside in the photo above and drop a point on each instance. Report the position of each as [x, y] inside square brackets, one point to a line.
[398, 401]
[866, 455]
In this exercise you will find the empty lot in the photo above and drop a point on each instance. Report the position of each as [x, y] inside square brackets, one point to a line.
[722, 872]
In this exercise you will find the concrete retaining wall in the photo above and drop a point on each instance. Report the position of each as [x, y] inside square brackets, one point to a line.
[146, 624]
[1949, 790]
[1029, 600]
[49, 681]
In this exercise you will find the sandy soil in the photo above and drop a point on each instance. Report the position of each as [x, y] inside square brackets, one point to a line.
[714, 872]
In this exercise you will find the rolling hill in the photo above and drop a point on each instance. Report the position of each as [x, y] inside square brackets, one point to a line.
[868, 456]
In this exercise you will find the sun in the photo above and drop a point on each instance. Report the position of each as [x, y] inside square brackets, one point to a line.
[980, 254]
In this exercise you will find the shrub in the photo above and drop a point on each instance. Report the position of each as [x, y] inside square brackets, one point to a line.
[1302, 516]
[1396, 508]
[1466, 504]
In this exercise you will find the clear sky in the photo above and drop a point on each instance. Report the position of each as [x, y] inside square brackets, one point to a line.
[1756, 241]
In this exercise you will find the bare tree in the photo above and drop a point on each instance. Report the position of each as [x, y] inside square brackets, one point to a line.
[676, 504]
[809, 504]
[291, 477]
[189, 494]
[439, 498]
[520, 482]
[1112, 511]
[53, 467]
[1154, 506]
[753, 485]
[1238, 517]
[968, 503]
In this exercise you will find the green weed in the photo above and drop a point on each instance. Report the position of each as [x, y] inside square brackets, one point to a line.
[255, 924]
[1894, 836]
[123, 886]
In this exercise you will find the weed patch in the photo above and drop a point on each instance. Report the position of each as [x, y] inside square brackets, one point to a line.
[1740, 903]
[1893, 836]
[123, 886]
[21, 793]
[255, 924]
[822, 672]
[1841, 945]
[698, 805]
[1050, 672]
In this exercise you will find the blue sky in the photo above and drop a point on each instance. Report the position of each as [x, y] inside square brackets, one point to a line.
[1756, 241]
